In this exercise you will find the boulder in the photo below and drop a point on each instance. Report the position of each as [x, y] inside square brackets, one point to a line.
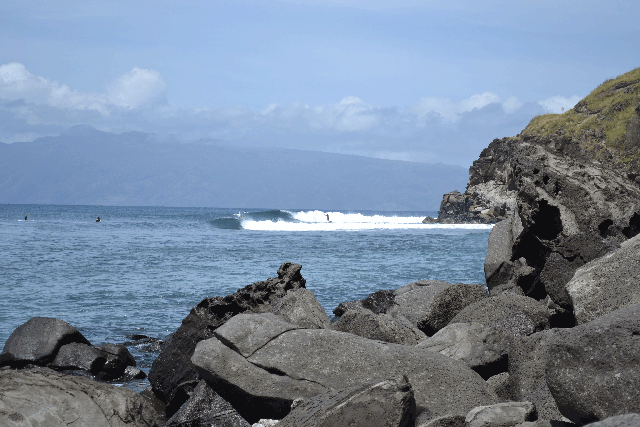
[300, 307]
[593, 370]
[625, 420]
[517, 314]
[41, 396]
[501, 386]
[504, 414]
[206, 408]
[527, 364]
[388, 403]
[380, 301]
[483, 349]
[447, 304]
[305, 362]
[445, 421]
[413, 300]
[383, 327]
[173, 365]
[118, 359]
[607, 283]
[38, 340]
[79, 356]
[343, 307]
[497, 264]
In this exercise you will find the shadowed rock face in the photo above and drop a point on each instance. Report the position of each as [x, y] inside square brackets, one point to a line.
[173, 366]
[264, 380]
[568, 211]
[593, 370]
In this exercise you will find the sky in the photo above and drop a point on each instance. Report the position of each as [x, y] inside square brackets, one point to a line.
[427, 81]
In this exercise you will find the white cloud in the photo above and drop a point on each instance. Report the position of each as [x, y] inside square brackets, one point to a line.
[558, 104]
[139, 87]
[449, 110]
[136, 88]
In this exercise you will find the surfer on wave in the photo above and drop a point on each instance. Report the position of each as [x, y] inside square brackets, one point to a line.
[98, 220]
[327, 217]
[25, 217]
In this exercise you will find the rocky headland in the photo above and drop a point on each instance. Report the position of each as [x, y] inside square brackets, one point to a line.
[553, 339]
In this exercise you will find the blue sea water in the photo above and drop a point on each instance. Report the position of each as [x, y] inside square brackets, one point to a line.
[141, 269]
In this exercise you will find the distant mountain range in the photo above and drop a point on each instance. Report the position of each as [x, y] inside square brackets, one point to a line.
[87, 166]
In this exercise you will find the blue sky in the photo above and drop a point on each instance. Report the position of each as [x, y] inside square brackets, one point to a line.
[429, 81]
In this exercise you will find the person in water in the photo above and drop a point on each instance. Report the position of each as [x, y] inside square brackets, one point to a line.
[98, 220]
[25, 217]
[327, 217]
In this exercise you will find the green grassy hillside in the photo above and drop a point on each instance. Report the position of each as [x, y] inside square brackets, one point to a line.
[606, 123]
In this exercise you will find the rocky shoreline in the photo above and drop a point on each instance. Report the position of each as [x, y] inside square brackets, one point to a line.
[553, 339]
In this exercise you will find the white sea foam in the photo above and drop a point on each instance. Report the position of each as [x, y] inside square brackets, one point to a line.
[338, 221]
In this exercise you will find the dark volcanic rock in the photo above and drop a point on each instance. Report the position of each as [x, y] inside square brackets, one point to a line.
[41, 396]
[206, 408]
[593, 370]
[607, 284]
[80, 356]
[343, 307]
[380, 301]
[381, 327]
[305, 362]
[447, 304]
[38, 340]
[516, 314]
[468, 208]
[385, 404]
[118, 358]
[173, 366]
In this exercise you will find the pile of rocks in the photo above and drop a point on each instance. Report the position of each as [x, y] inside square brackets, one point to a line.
[430, 353]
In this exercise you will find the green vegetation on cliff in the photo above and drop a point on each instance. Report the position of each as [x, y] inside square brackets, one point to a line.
[605, 124]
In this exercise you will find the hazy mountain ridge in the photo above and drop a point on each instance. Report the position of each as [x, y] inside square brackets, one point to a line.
[86, 166]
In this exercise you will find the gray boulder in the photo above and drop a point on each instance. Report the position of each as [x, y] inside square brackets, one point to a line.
[607, 283]
[118, 359]
[305, 362]
[41, 396]
[343, 307]
[413, 300]
[517, 314]
[79, 356]
[504, 414]
[173, 365]
[206, 408]
[38, 340]
[447, 304]
[501, 386]
[381, 327]
[527, 364]
[483, 349]
[445, 421]
[498, 266]
[625, 420]
[300, 307]
[593, 370]
[388, 403]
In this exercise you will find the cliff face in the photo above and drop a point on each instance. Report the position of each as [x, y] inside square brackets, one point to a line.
[569, 187]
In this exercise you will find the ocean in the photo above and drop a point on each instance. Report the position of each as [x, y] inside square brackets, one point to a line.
[141, 269]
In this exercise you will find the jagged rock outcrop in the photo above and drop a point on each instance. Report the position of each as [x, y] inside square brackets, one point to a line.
[570, 183]
[173, 366]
